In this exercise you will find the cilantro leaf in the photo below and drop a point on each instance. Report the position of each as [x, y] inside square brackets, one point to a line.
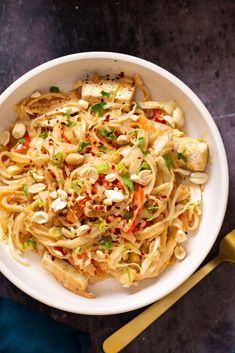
[98, 108]
[128, 215]
[168, 161]
[108, 134]
[54, 89]
[141, 141]
[70, 123]
[107, 242]
[105, 94]
[83, 145]
[127, 182]
[182, 156]
[44, 135]
[21, 140]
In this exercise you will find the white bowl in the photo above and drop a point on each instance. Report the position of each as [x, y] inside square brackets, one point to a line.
[111, 297]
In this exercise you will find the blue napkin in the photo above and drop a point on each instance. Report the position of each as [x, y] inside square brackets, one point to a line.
[23, 330]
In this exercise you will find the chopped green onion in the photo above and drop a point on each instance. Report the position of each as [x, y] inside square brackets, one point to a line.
[21, 140]
[83, 145]
[29, 242]
[44, 135]
[129, 273]
[40, 203]
[67, 113]
[103, 226]
[168, 161]
[25, 190]
[102, 168]
[105, 94]
[128, 182]
[77, 250]
[108, 134]
[58, 160]
[152, 208]
[77, 186]
[98, 108]
[182, 156]
[141, 141]
[55, 232]
[144, 166]
[102, 148]
[122, 168]
[54, 89]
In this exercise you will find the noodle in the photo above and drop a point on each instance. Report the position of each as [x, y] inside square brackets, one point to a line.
[99, 184]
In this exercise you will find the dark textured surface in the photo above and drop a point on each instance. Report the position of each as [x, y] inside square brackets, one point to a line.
[195, 40]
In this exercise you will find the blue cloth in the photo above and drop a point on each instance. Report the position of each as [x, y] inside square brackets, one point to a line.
[23, 330]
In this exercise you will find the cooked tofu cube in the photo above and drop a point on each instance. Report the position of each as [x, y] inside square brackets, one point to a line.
[91, 91]
[66, 275]
[196, 152]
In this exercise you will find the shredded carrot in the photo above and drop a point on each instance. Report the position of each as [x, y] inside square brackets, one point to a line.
[63, 134]
[139, 202]
[70, 217]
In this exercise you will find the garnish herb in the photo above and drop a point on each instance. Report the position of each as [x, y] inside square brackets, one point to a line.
[107, 242]
[182, 156]
[21, 140]
[102, 168]
[152, 208]
[71, 123]
[168, 161]
[102, 148]
[25, 190]
[122, 168]
[105, 94]
[103, 226]
[54, 89]
[98, 108]
[29, 242]
[108, 134]
[40, 203]
[127, 182]
[83, 145]
[77, 186]
[58, 160]
[55, 232]
[144, 166]
[128, 273]
[44, 134]
[141, 142]
[128, 215]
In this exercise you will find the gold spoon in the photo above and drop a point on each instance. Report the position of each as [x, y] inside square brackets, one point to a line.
[122, 337]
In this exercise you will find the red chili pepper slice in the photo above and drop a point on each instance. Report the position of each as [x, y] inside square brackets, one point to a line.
[158, 116]
[23, 147]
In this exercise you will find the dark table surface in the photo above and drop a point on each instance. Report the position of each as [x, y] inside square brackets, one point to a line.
[195, 40]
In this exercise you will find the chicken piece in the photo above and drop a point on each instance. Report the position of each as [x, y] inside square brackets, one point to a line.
[195, 151]
[123, 91]
[66, 275]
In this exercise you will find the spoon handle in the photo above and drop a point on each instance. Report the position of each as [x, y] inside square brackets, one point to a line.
[122, 337]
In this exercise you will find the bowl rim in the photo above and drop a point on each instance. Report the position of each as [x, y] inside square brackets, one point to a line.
[224, 181]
